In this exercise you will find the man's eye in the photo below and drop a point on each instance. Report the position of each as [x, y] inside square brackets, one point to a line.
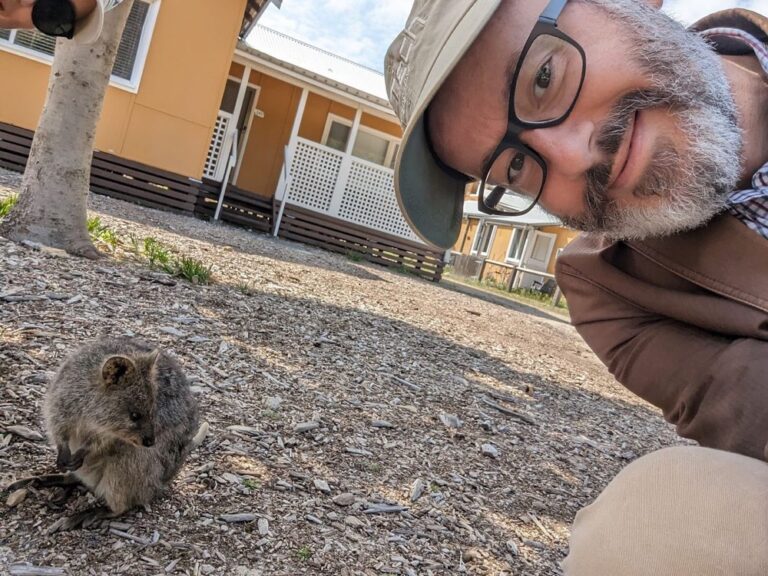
[543, 78]
[515, 167]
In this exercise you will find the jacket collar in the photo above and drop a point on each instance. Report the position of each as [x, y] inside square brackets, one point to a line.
[725, 257]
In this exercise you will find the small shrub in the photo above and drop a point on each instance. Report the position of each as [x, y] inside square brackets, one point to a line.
[245, 288]
[192, 270]
[7, 203]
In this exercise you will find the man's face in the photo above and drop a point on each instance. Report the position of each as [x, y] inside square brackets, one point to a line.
[651, 147]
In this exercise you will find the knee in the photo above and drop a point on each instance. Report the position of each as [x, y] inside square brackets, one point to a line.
[676, 511]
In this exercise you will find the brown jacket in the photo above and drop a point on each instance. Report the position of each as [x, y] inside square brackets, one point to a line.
[682, 321]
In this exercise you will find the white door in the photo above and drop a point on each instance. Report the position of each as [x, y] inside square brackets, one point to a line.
[537, 258]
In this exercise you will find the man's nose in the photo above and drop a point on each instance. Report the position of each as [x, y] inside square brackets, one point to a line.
[568, 149]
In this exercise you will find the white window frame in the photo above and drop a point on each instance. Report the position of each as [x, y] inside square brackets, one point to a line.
[478, 238]
[394, 141]
[330, 120]
[131, 85]
[521, 249]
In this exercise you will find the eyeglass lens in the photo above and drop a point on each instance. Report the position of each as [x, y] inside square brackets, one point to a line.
[546, 88]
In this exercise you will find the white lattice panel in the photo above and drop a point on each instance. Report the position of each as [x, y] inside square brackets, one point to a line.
[369, 200]
[314, 172]
[216, 149]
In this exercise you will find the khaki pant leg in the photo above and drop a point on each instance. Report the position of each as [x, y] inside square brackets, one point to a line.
[677, 512]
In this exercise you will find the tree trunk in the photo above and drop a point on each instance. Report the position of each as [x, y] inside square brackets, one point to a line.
[54, 191]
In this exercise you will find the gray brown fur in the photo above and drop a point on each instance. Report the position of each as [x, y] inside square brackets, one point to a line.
[88, 410]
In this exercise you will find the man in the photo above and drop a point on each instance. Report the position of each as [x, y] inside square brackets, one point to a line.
[78, 19]
[611, 116]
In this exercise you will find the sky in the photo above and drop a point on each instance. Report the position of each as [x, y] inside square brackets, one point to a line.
[361, 30]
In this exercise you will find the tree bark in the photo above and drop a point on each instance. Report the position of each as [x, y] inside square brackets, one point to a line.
[54, 192]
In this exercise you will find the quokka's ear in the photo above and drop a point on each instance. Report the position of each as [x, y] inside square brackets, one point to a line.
[116, 369]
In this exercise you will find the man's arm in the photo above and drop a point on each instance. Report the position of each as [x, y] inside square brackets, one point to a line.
[713, 388]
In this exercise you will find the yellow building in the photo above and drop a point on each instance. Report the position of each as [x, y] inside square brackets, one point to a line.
[500, 244]
[277, 135]
[160, 108]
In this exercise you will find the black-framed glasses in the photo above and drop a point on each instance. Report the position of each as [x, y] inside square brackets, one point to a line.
[54, 17]
[545, 86]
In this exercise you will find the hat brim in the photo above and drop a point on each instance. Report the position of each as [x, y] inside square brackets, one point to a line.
[88, 29]
[431, 198]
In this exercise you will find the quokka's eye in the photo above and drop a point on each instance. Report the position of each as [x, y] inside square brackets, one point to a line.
[135, 416]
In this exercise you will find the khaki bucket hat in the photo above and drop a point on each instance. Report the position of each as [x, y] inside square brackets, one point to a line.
[436, 36]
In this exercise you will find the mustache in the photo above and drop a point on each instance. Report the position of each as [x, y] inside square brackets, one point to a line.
[612, 134]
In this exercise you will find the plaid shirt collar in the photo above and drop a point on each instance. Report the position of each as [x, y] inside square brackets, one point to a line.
[749, 206]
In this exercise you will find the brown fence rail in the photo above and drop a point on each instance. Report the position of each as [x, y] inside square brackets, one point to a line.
[240, 207]
[155, 188]
[112, 176]
[15, 143]
[343, 237]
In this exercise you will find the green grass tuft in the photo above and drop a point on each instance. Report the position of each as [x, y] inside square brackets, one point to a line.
[354, 256]
[99, 231]
[7, 203]
[251, 483]
[304, 553]
[157, 255]
[192, 269]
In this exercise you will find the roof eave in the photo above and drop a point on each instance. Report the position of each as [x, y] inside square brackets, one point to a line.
[251, 52]
[250, 19]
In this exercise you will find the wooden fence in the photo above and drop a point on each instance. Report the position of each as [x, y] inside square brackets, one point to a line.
[155, 188]
[343, 237]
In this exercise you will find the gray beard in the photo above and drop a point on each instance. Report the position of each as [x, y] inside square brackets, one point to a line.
[686, 185]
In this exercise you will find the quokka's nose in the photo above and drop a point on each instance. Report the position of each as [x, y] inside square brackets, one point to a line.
[148, 441]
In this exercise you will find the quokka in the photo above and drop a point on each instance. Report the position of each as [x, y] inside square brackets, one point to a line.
[123, 420]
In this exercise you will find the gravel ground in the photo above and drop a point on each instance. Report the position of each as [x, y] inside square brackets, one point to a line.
[363, 422]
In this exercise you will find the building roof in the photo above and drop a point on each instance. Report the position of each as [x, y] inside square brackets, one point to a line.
[536, 217]
[316, 63]
[253, 10]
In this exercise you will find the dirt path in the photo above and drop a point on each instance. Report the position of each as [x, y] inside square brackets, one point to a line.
[384, 365]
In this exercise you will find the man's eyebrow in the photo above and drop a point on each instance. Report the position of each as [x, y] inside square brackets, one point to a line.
[510, 76]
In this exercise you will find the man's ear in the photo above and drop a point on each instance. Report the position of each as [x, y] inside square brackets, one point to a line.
[115, 370]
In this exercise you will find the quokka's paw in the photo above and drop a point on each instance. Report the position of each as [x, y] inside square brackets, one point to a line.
[68, 462]
[84, 519]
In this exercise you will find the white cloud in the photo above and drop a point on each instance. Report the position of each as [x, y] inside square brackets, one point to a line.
[361, 30]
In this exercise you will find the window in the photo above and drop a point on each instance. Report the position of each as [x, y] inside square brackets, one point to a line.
[131, 53]
[338, 135]
[483, 239]
[516, 245]
[370, 145]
